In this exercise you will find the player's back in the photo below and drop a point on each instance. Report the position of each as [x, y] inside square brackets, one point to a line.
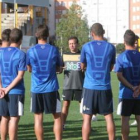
[43, 58]
[12, 60]
[130, 59]
[100, 55]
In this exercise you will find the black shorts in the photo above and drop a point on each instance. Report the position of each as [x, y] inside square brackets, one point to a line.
[12, 105]
[72, 94]
[96, 101]
[45, 102]
[127, 107]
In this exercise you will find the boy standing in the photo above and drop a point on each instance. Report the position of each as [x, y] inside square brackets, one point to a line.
[98, 57]
[43, 59]
[12, 67]
[128, 73]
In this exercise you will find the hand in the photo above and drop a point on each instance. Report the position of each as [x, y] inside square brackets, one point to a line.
[5, 90]
[2, 93]
[59, 70]
[136, 90]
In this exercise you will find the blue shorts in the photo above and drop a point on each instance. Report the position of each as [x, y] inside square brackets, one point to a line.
[45, 102]
[12, 105]
[96, 101]
[127, 107]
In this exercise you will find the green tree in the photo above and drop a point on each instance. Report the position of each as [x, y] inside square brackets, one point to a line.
[120, 48]
[72, 24]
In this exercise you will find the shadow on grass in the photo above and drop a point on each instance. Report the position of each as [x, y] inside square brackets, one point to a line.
[73, 131]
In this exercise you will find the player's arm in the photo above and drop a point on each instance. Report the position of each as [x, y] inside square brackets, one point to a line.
[129, 85]
[113, 58]
[0, 82]
[59, 69]
[59, 63]
[111, 67]
[2, 93]
[18, 78]
[83, 66]
[29, 68]
[122, 79]
[83, 59]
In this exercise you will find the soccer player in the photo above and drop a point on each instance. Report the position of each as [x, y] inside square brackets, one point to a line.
[12, 68]
[136, 47]
[128, 73]
[5, 42]
[73, 77]
[6, 38]
[98, 56]
[43, 59]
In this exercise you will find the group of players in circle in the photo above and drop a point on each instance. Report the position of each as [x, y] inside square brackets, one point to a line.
[86, 80]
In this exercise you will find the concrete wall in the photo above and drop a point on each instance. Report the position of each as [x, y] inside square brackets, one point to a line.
[41, 3]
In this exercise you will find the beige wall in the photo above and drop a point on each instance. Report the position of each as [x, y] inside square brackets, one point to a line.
[134, 19]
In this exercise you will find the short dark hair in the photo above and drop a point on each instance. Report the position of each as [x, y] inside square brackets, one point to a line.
[136, 37]
[16, 35]
[75, 38]
[42, 32]
[6, 35]
[129, 37]
[97, 29]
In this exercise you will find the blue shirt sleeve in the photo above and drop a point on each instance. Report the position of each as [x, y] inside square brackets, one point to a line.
[22, 62]
[83, 55]
[119, 64]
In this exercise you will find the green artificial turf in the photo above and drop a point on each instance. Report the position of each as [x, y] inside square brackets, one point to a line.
[74, 120]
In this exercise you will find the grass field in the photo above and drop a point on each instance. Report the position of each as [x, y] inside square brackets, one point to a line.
[74, 120]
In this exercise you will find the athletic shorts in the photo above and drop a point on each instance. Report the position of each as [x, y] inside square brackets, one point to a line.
[96, 101]
[127, 107]
[12, 105]
[72, 94]
[45, 102]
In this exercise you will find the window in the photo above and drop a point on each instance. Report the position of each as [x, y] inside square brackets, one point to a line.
[134, 27]
[134, 9]
[56, 3]
[70, 3]
[138, 26]
[64, 12]
[134, 18]
[63, 3]
[138, 8]
[138, 17]
[58, 12]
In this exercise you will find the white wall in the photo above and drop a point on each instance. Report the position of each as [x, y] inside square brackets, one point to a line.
[112, 14]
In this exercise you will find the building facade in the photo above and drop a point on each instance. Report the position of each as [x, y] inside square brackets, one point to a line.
[61, 6]
[112, 14]
[134, 19]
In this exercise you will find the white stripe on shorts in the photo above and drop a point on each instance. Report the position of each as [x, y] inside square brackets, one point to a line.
[20, 108]
[58, 106]
[81, 106]
[119, 108]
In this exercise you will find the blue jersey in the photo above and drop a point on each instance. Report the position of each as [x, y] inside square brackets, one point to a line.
[12, 60]
[98, 56]
[43, 59]
[129, 64]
